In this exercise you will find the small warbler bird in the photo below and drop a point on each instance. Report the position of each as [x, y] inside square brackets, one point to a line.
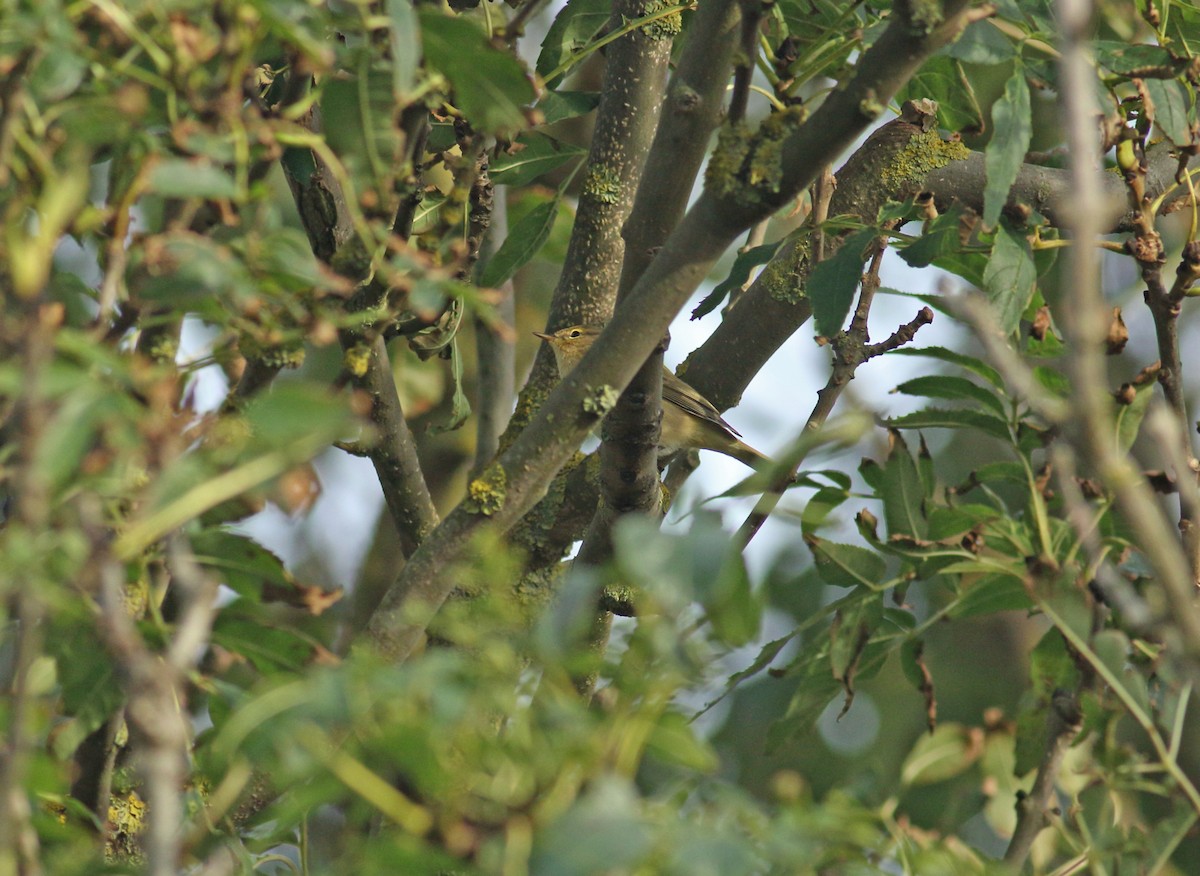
[689, 419]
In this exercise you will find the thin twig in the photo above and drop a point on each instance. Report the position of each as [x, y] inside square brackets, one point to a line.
[978, 315]
[850, 350]
[1063, 720]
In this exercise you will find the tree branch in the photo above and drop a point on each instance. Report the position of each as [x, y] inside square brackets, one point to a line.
[523, 472]
[629, 455]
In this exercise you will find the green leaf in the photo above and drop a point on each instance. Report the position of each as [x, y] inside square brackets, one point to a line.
[942, 237]
[356, 111]
[1010, 277]
[406, 45]
[577, 24]
[832, 282]
[977, 366]
[1172, 102]
[557, 106]
[490, 86]
[181, 178]
[244, 628]
[1129, 417]
[603, 831]
[982, 43]
[846, 565]
[949, 387]
[460, 406]
[935, 418]
[819, 506]
[1012, 127]
[525, 239]
[673, 741]
[241, 564]
[945, 523]
[541, 154]
[739, 274]
[943, 754]
[991, 593]
[942, 79]
[1129, 60]
[902, 492]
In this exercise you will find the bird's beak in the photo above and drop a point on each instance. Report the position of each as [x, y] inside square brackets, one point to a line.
[544, 336]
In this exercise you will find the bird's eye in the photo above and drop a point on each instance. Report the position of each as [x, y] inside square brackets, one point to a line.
[575, 333]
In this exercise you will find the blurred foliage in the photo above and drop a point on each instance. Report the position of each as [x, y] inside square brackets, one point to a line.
[244, 165]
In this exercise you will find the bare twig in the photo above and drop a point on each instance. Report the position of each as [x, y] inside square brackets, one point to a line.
[977, 314]
[1063, 719]
[743, 70]
[850, 350]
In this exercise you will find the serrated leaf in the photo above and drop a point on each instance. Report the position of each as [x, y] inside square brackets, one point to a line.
[942, 354]
[490, 85]
[846, 565]
[525, 239]
[902, 493]
[541, 154]
[1125, 59]
[1012, 128]
[181, 178]
[949, 387]
[1171, 105]
[832, 282]
[1009, 277]
[991, 593]
[241, 564]
[946, 523]
[935, 418]
[739, 274]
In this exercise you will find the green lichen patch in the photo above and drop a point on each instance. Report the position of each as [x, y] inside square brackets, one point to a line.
[923, 153]
[785, 277]
[602, 184]
[925, 15]
[601, 400]
[668, 26]
[485, 494]
[747, 165]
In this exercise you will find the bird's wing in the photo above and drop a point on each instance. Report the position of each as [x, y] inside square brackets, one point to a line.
[678, 393]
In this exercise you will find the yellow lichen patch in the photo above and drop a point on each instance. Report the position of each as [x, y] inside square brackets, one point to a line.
[126, 820]
[923, 153]
[485, 494]
[356, 359]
